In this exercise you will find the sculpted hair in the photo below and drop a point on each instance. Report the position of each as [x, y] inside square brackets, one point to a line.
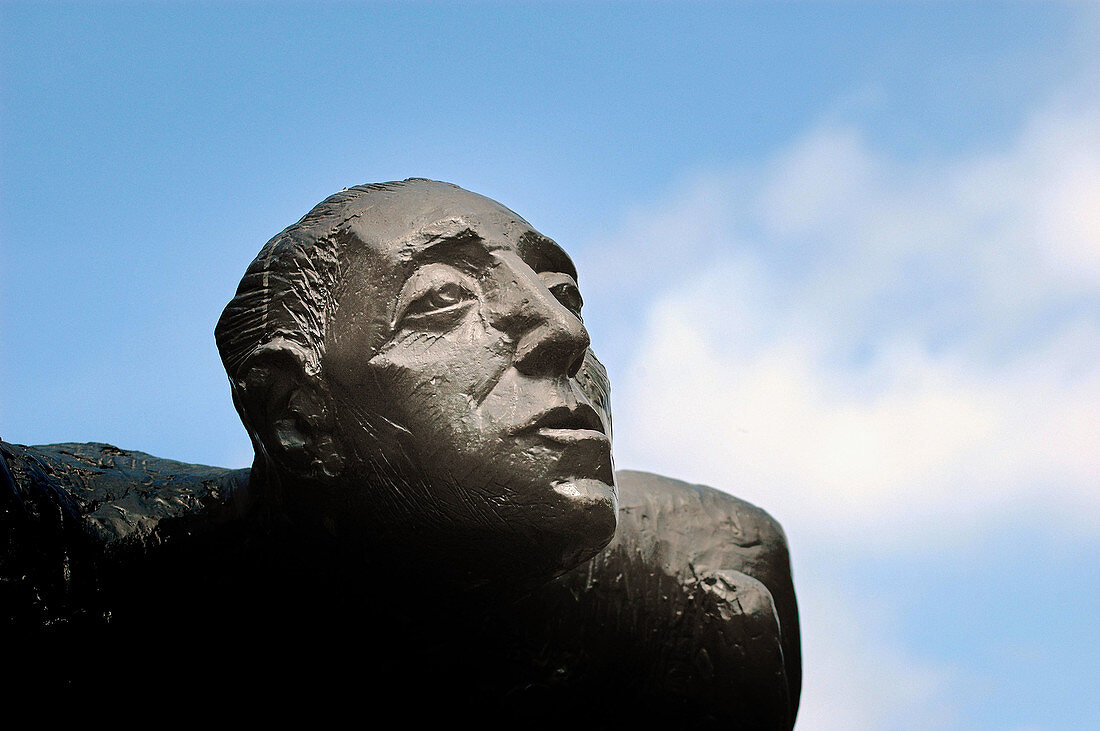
[289, 291]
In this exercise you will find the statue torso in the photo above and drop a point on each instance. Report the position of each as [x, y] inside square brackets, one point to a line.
[176, 562]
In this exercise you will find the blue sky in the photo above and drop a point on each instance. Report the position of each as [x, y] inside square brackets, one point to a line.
[841, 260]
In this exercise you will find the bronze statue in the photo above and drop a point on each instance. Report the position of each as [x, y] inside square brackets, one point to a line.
[433, 496]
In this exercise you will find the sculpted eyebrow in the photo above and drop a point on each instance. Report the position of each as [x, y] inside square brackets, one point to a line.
[463, 248]
[544, 255]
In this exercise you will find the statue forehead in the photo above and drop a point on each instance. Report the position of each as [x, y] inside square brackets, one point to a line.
[388, 230]
[380, 219]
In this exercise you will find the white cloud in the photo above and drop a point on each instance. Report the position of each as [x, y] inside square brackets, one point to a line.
[861, 343]
[814, 182]
[888, 356]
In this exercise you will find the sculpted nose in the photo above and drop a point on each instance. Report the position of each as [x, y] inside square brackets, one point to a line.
[553, 340]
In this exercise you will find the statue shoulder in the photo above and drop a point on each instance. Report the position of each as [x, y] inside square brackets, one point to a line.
[699, 532]
[109, 495]
[71, 514]
[695, 518]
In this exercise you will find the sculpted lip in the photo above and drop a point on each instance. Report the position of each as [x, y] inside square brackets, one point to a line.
[565, 422]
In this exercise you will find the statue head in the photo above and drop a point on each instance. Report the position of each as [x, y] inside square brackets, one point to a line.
[412, 367]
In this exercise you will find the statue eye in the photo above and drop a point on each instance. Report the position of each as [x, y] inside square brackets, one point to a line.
[446, 297]
[569, 295]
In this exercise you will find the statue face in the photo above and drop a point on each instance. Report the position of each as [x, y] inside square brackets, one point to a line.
[455, 362]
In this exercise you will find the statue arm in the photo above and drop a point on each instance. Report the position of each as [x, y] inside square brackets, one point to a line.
[733, 561]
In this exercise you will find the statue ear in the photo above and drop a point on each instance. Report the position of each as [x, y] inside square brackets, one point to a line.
[287, 410]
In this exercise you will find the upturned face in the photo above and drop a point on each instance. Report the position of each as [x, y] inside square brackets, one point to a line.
[462, 384]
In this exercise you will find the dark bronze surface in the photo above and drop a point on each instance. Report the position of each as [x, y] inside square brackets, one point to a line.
[432, 524]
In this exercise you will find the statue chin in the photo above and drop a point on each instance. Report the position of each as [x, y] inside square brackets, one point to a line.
[593, 509]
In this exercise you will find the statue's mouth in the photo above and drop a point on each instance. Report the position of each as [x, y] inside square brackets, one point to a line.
[567, 422]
